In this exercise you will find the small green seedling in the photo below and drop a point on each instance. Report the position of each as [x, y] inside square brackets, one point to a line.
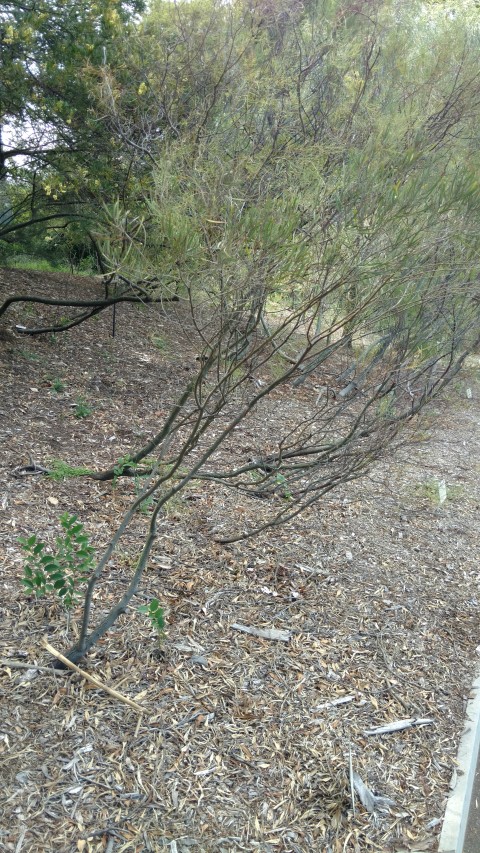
[82, 409]
[281, 481]
[63, 572]
[121, 465]
[159, 342]
[156, 615]
[30, 356]
[58, 385]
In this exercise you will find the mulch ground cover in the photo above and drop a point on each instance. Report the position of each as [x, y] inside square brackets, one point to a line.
[282, 655]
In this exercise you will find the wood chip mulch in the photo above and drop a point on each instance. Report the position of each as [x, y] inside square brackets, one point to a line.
[281, 654]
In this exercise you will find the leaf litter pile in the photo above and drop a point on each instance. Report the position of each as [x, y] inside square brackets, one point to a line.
[310, 690]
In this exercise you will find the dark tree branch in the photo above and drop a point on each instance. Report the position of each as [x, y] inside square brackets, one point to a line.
[96, 305]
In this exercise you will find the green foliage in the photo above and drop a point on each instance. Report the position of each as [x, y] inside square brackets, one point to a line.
[156, 615]
[33, 261]
[29, 356]
[52, 55]
[147, 504]
[63, 572]
[159, 342]
[285, 488]
[430, 489]
[304, 176]
[82, 409]
[120, 466]
[59, 470]
[58, 385]
[345, 184]
[46, 250]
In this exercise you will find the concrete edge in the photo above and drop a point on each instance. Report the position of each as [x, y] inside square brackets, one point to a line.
[458, 805]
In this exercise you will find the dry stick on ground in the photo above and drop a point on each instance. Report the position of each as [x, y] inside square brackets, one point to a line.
[15, 664]
[264, 633]
[399, 725]
[93, 680]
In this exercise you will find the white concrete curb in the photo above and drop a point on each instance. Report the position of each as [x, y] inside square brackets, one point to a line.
[456, 813]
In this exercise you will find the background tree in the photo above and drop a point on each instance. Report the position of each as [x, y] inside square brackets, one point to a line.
[56, 155]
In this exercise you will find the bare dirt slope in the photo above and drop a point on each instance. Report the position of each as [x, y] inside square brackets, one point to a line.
[244, 742]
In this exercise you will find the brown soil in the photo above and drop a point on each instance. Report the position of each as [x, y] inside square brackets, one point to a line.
[243, 743]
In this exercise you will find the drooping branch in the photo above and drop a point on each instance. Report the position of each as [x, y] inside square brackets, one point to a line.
[96, 306]
[8, 229]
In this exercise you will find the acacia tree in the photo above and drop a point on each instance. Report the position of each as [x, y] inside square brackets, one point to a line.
[311, 236]
[412, 330]
[313, 207]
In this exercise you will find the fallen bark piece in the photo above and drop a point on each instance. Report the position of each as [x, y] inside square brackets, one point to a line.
[265, 633]
[342, 700]
[372, 802]
[398, 725]
[95, 681]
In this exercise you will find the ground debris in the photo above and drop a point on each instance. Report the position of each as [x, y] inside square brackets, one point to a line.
[399, 725]
[243, 744]
[372, 802]
[264, 633]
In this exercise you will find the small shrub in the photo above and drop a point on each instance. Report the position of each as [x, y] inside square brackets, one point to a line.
[121, 465]
[82, 408]
[159, 342]
[58, 385]
[63, 572]
[156, 615]
[282, 482]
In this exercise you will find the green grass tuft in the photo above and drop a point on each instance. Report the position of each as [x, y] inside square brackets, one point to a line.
[59, 470]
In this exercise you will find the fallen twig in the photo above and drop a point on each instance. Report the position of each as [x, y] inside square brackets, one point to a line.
[350, 774]
[398, 725]
[332, 703]
[92, 678]
[265, 633]
[32, 468]
[14, 664]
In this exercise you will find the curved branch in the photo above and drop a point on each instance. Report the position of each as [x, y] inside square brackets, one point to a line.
[96, 305]
[19, 226]
[62, 328]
